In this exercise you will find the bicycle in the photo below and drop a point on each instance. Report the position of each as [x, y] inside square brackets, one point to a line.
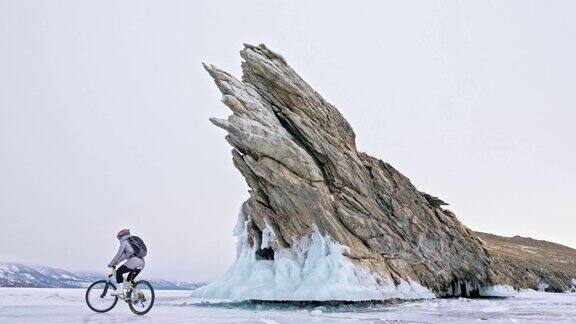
[139, 295]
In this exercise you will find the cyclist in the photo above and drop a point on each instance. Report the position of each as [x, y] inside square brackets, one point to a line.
[133, 265]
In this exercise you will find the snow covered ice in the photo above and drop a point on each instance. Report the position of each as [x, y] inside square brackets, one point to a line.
[272, 291]
[34, 305]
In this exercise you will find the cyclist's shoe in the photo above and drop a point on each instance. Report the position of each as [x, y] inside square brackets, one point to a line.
[120, 291]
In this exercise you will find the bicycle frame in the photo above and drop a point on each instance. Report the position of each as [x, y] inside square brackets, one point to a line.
[111, 276]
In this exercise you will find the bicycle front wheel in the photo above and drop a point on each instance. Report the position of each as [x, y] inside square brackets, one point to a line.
[141, 297]
[99, 298]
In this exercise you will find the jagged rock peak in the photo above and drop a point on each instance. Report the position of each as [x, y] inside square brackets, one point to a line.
[299, 158]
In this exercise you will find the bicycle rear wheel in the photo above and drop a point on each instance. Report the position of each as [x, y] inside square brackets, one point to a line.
[141, 297]
[99, 298]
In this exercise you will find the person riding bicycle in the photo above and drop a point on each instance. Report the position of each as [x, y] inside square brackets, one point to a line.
[133, 265]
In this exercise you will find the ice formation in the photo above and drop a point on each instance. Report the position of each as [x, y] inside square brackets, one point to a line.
[467, 289]
[498, 291]
[268, 235]
[542, 286]
[314, 269]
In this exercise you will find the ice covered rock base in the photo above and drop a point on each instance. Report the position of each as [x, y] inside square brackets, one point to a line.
[314, 270]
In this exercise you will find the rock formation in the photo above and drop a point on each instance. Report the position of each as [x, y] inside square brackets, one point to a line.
[528, 263]
[299, 158]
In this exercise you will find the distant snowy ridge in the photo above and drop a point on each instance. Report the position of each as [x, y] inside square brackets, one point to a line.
[20, 275]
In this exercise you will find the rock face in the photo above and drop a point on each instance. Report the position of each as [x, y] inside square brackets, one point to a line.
[530, 263]
[299, 157]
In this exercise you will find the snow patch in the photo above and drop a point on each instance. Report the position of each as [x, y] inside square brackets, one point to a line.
[498, 291]
[316, 312]
[314, 269]
[527, 290]
[268, 321]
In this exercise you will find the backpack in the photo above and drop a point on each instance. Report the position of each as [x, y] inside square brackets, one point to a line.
[138, 246]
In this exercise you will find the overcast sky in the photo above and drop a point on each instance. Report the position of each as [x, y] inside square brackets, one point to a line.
[104, 110]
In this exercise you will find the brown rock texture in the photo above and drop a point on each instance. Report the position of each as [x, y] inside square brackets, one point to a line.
[529, 263]
[299, 158]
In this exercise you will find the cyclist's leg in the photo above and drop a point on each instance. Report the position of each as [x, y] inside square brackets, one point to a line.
[120, 272]
[136, 265]
[132, 275]
[120, 279]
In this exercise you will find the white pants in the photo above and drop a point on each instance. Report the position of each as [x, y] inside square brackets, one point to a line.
[135, 263]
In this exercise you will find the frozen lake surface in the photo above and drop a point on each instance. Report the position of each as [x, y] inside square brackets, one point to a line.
[30, 305]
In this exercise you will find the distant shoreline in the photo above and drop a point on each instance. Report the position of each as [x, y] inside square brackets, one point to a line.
[17, 275]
